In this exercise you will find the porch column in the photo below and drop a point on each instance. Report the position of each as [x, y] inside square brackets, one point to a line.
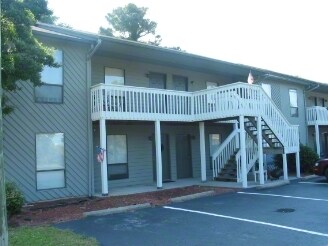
[202, 150]
[284, 165]
[298, 166]
[260, 148]
[158, 143]
[243, 150]
[317, 138]
[104, 176]
[235, 127]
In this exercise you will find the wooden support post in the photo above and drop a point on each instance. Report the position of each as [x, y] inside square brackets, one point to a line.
[260, 148]
[202, 150]
[158, 144]
[317, 139]
[284, 163]
[298, 166]
[104, 175]
[243, 150]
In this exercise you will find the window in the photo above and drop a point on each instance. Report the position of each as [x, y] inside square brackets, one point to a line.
[293, 103]
[267, 89]
[117, 157]
[210, 85]
[114, 76]
[50, 161]
[51, 91]
[215, 141]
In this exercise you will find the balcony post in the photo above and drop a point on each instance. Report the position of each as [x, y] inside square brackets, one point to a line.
[243, 150]
[298, 167]
[158, 144]
[260, 148]
[104, 176]
[202, 150]
[284, 164]
[317, 139]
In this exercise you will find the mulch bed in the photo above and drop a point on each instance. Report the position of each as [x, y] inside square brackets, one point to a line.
[69, 209]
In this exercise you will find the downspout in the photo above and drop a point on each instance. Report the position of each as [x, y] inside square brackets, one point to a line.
[91, 52]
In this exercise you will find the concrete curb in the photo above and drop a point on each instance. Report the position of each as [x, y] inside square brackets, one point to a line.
[192, 196]
[273, 184]
[308, 177]
[116, 210]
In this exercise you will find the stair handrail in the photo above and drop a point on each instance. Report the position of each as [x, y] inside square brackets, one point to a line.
[224, 152]
[255, 101]
[251, 157]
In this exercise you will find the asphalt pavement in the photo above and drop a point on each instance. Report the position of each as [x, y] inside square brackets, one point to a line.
[295, 214]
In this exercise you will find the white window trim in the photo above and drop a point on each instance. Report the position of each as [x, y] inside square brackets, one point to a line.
[49, 170]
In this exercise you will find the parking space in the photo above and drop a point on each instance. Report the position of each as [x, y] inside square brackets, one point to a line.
[295, 214]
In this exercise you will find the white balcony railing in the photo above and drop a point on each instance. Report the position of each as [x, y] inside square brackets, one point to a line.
[135, 103]
[317, 115]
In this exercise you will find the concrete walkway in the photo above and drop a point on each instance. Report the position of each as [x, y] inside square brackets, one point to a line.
[127, 190]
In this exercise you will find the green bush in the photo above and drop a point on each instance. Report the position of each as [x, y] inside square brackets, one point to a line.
[14, 199]
[307, 159]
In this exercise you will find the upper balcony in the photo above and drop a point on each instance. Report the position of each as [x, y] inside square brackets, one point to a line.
[114, 102]
[136, 103]
[317, 115]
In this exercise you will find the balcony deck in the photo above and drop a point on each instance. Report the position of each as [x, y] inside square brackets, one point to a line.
[317, 115]
[113, 102]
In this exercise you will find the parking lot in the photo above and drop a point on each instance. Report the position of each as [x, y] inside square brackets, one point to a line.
[294, 214]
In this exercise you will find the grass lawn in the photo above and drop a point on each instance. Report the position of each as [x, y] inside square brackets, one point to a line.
[46, 235]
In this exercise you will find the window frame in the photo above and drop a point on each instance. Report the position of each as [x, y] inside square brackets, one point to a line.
[50, 170]
[181, 76]
[54, 85]
[267, 84]
[290, 106]
[211, 86]
[118, 176]
[209, 146]
[124, 79]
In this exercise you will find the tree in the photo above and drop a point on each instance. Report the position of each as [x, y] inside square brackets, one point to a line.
[23, 56]
[129, 22]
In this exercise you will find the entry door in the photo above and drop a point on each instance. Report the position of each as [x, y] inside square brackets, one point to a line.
[157, 80]
[165, 148]
[180, 83]
[183, 154]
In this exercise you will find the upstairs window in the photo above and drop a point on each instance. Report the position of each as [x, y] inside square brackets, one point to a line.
[293, 103]
[211, 85]
[51, 91]
[114, 76]
[267, 89]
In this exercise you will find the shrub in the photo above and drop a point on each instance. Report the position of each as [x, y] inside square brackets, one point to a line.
[307, 159]
[14, 199]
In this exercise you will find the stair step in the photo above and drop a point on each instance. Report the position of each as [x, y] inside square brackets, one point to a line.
[226, 179]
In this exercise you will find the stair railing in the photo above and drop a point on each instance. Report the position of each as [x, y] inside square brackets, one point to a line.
[251, 157]
[221, 156]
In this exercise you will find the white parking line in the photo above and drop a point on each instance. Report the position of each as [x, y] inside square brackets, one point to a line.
[250, 221]
[313, 183]
[293, 197]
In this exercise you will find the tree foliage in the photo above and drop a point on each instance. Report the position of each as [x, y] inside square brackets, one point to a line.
[307, 159]
[129, 22]
[23, 56]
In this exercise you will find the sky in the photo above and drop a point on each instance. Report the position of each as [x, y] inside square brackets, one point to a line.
[286, 36]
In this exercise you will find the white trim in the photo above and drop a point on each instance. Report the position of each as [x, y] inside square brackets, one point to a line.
[284, 196]
[250, 221]
[313, 183]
